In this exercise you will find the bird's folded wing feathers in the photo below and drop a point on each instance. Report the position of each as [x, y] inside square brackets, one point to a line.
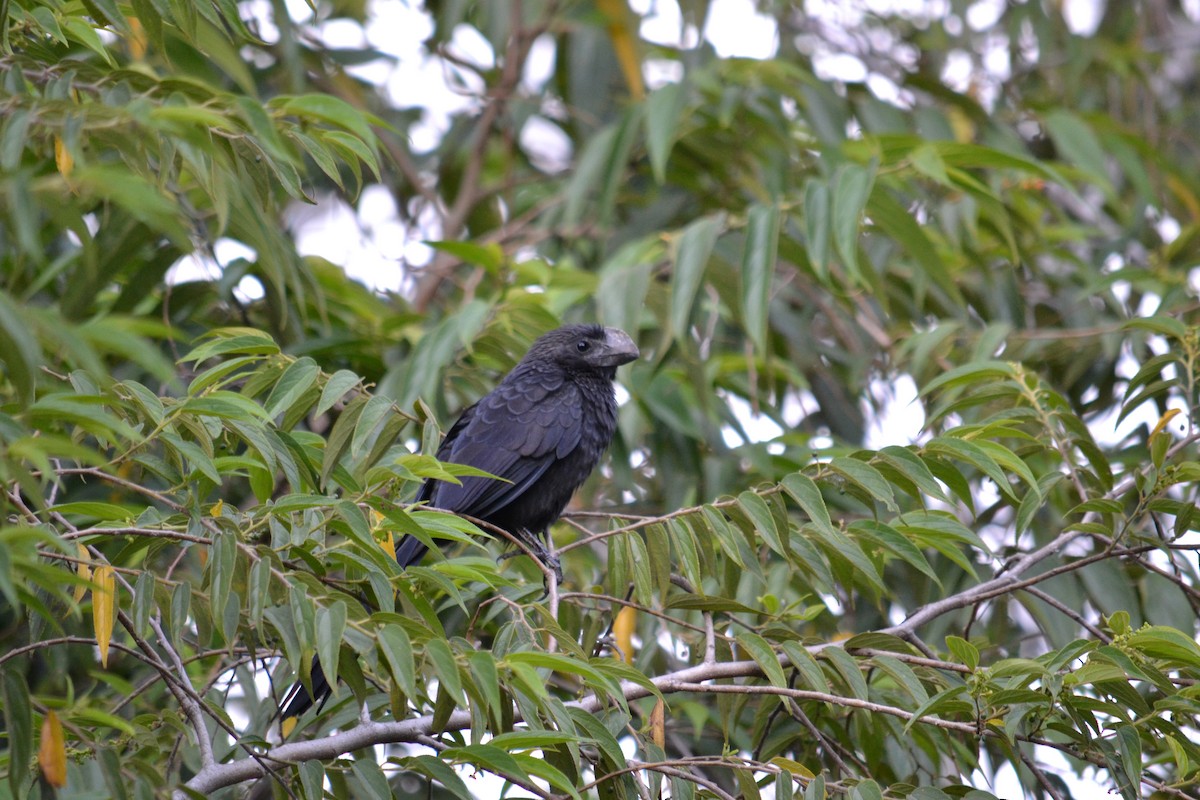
[515, 433]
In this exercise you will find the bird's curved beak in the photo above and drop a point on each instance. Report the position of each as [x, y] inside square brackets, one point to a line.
[618, 348]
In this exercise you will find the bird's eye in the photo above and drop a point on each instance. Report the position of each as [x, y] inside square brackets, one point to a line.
[582, 345]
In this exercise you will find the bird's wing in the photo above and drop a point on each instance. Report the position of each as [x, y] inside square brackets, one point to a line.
[444, 450]
[515, 433]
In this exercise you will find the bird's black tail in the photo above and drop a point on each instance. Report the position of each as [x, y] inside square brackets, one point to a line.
[297, 700]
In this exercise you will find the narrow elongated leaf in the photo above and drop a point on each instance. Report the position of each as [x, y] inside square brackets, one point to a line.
[955, 698]
[398, 653]
[52, 751]
[866, 477]
[104, 597]
[438, 770]
[764, 522]
[372, 783]
[848, 667]
[692, 251]
[817, 226]
[663, 109]
[764, 656]
[806, 494]
[330, 627]
[297, 379]
[446, 668]
[1078, 143]
[19, 350]
[18, 723]
[758, 267]
[851, 188]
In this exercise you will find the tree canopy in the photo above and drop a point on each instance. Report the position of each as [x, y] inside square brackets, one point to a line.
[774, 587]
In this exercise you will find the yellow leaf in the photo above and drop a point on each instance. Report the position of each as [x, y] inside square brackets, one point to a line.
[794, 767]
[384, 538]
[137, 39]
[658, 723]
[622, 27]
[83, 570]
[62, 157]
[1182, 191]
[388, 544]
[623, 627]
[961, 125]
[104, 595]
[1170, 414]
[217, 508]
[52, 752]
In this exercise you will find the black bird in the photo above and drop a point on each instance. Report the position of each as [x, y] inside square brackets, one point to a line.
[542, 430]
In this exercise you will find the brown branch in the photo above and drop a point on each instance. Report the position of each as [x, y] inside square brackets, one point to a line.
[469, 193]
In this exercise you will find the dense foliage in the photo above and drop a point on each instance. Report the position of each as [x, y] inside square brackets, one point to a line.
[775, 587]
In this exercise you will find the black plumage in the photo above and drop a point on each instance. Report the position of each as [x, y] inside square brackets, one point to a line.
[542, 429]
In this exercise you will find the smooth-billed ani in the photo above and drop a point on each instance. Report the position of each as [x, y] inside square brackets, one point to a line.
[542, 429]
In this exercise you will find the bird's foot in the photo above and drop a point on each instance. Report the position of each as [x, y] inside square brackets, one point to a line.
[544, 555]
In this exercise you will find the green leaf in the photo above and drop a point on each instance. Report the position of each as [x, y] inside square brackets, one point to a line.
[398, 653]
[866, 477]
[973, 454]
[758, 268]
[335, 389]
[18, 726]
[19, 350]
[1159, 641]
[559, 663]
[487, 682]
[107, 512]
[851, 187]
[866, 790]
[85, 34]
[297, 379]
[328, 109]
[764, 656]
[1076, 142]
[643, 577]
[222, 562]
[486, 756]
[232, 341]
[692, 250]
[806, 494]
[764, 522]
[489, 256]
[892, 540]
[903, 675]
[848, 667]
[809, 669]
[143, 200]
[663, 110]
[436, 769]
[688, 550]
[226, 405]
[912, 467]
[817, 226]
[888, 214]
[953, 699]
[330, 627]
[963, 651]
[542, 768]
[372, 783]
[445, 666]
[970, 374]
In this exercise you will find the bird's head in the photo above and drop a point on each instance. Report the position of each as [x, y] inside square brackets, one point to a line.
[586, 347]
